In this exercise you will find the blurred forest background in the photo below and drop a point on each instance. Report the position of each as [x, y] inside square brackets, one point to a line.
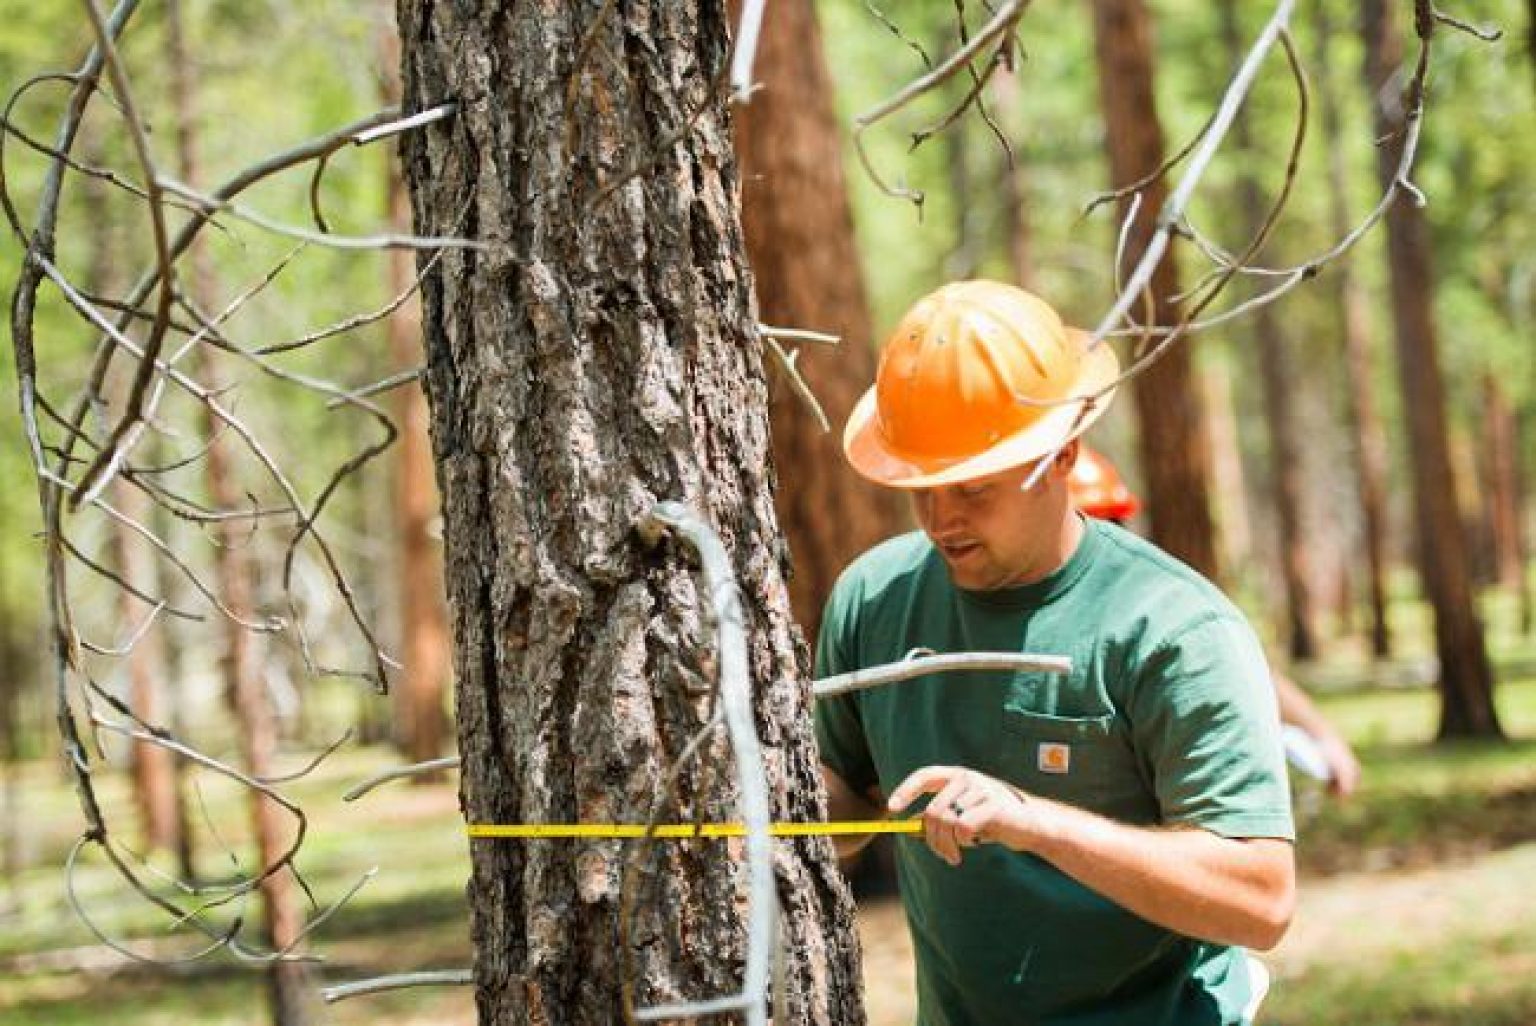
[1416, 907]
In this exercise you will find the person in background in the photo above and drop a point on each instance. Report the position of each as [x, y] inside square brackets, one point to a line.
[1099, 846]
[1098, 490]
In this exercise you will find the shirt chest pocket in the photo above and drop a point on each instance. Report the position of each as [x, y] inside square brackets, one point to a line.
[1080, 760]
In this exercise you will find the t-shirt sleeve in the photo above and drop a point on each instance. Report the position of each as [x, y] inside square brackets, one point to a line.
[1206, 724]
[840, 738]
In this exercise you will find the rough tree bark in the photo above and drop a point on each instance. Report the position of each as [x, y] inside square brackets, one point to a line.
[805, 265]
[1278, 379]
[1175, 451]
[1466, 680]
[1364, 422]
[600, 355]
[289, 992]
[421, 719]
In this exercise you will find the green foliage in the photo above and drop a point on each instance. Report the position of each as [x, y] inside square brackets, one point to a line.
[251, 102]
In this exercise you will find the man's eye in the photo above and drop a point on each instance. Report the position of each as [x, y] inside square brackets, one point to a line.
[973, 492]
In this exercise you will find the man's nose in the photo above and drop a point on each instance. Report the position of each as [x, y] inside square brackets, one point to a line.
[938, 511]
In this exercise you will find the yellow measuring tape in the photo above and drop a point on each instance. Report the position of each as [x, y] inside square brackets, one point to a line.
[686, 830]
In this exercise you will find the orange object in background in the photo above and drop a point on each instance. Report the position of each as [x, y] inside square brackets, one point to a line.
[1098, 490]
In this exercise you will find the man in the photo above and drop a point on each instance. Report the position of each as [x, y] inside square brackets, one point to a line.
[1097, 490]
[1097, 843]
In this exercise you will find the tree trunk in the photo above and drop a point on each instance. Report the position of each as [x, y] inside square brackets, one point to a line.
[154, 771]
[598, 357]
[1466, 680]
[1522, 544]
[181, 768]
[806, 270]
[152, 767]
[420, 688]
[1530, 34]
[1370, 439]
[288, 987]
[1175, 451]
[1234, 527]
[1013, 181]
[11, 855]
[1505, 496]
[1278, 378]
[1501, 455]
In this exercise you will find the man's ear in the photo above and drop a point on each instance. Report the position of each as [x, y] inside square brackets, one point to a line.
[1067, 458]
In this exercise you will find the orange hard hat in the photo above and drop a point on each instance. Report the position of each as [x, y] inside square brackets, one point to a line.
[971, 383]
[1097, 489]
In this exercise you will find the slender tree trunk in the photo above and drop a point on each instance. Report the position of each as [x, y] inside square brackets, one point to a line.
[1370, 438]
[154, 771]
[1234, 527]
[1344, 594]
[11, 834]
[377, 722]
[806, 270]
[1175, 451]
[1467, 467]
[1502, 495]
[1522, 544]
[423, 721]
[1287, 476]
[1278, 379]
[1530, 34]
[600, 356]
[964, 259]
[288, 990]
[11, 677]
[1466, 680]
[181, 768]
[1013, 180]
[151, 766]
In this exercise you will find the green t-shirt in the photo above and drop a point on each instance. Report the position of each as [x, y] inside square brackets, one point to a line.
[1168, 717]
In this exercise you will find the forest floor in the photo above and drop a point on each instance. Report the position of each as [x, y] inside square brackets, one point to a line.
[1416, 903]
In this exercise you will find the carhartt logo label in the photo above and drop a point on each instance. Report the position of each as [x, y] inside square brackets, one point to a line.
[1055, 758]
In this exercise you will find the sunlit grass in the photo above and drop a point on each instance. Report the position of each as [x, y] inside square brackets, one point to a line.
[1423, 876]
[411, 915]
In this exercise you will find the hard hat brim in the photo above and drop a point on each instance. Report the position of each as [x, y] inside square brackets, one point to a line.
[868, 452]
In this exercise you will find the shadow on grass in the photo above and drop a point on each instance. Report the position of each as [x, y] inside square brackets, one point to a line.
[414, 932]
[1433, 804]
[209, 994]
[407, 913]
[1437, 987]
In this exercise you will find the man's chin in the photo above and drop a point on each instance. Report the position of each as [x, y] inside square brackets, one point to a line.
[968, 576]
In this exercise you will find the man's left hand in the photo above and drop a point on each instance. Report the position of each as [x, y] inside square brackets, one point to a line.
[968, 808]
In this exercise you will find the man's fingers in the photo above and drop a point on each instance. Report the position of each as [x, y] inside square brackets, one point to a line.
[924, 781]
[970, 826]
[941, 838]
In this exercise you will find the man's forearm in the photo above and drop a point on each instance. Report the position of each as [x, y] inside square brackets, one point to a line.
[1203, 885]
[1189, 880]
[844, 803]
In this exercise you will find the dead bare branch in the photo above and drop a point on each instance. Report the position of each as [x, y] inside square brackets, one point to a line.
[1003, 23]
